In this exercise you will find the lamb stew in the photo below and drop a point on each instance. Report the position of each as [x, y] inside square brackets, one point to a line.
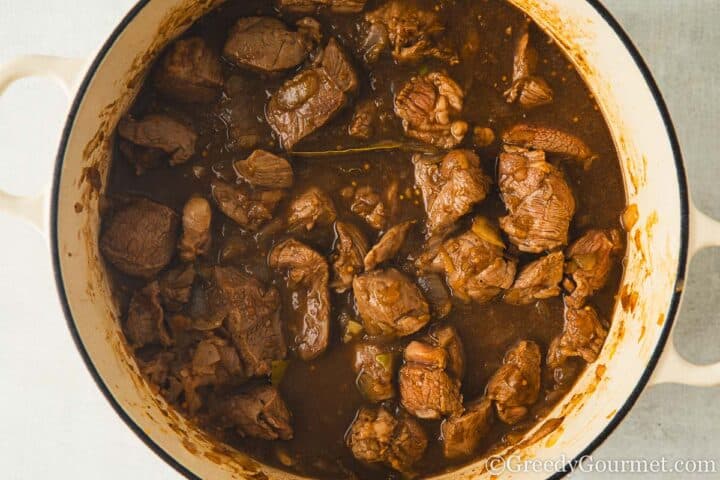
[364, 239]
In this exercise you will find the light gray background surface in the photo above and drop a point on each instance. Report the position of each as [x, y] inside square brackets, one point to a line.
[54, 423]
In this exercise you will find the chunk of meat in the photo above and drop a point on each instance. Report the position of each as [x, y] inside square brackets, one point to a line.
[266, 44]
[266, 170]
[140, 239]
[539, 200]
[389, 303]
[250, 313]
[311, 98]
[367, 203]
[536, 137]
[538, 280]
[473, 263]
[427, 355]
[363, 120]
[335, 6]
[306, 269]
[516, 384]
[583, 336]
[145, 319]
[258, 413]
[426, 389]
[589, 262]
[176, 287]
[214, 362]
[190, 72]
[335, 63]
[535, 92]
[160, 132]
[375, 369]
[527, 88]
[413, 33]
[349, 252]
[248, 208]
[451, 185]
[447, 338]
[434, 289]
[429, 107]
[195, 239]
[377, 437]
[312, 208]
[388, 246]
[461, 434]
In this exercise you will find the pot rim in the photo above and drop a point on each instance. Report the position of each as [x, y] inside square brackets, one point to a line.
[587, 450]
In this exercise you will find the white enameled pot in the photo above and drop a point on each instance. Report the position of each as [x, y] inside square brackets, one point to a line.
[639, 350]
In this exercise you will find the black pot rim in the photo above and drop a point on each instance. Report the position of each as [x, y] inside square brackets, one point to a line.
[570, 466]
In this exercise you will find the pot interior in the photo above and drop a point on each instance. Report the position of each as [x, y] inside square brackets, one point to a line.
[653, 182]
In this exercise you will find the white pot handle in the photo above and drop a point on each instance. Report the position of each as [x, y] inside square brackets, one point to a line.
[66, 71]
[672, 367]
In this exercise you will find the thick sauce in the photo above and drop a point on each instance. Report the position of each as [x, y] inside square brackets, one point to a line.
[321, 394]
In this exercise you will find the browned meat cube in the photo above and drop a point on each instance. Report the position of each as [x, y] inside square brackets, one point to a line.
[447, 338]
[370, 205]
[312, 207]
[266, 170]
[195, 239]
[140, 239]
[375, 369]
[335, 63]
[377, 437]
[306, 270]
[461, 434]
[310, 99]
[145, 319]
[266, 44]
[527, 88]
[363, 120]
[190, 72]
[473, 263]
[429, 107]
[389, 303]
[547, 139]
[451, 186]
[251, 314]
[434, 289]
[583, 336]
[589, 262]
[538, 280]
[349, 252]
[388, 246]
[426, 389]
[539, 200]
[176, 287]
[248, 208]
[335, 6]
[427, 355]
[516, 385]
[258, 413]
[214, 362]
[413, 33]
[160, 132]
